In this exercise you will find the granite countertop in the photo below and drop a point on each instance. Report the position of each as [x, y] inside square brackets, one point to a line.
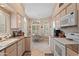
[65, 41]
[8, 42]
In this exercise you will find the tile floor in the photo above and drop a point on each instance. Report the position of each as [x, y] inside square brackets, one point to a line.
[39, 49]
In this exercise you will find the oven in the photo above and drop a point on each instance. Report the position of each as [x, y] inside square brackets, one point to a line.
[59, 49]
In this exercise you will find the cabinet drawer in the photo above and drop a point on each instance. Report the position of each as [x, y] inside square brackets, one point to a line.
[11, 48]
[71, 52]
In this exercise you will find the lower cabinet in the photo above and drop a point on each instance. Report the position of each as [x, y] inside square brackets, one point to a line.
[27, 43]
[11, 50]
[16, 49]
[2, 53]
[20, 48]
[71, 52]
[23, 45]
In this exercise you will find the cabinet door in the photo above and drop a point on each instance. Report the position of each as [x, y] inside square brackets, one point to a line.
[13, 53]
[23, 45]
[57, 21]
[62, 13]
[71, 52]
[71, 7]
[78, 14]
[13, 21]
[20, 48]
[77, 6]
[12, 50]
[2, 53]
[27, 44]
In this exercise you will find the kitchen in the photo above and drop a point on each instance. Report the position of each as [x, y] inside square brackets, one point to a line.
[20, 33]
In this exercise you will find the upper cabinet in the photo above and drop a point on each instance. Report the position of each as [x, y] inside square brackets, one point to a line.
[77, 6]
[63, 13]
[71, 7]
[16, 11]
[59, 7]
[17, 8]
[57, 21]
[15, 21]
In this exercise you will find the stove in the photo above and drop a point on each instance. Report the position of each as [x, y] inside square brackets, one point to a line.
[73, 36]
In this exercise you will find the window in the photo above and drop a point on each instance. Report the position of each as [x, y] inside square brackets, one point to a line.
[4, 22]
[46, 31]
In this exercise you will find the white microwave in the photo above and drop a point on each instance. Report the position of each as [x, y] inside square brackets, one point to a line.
[69, 20]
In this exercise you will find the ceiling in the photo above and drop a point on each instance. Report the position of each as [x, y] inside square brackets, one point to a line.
[39, 10]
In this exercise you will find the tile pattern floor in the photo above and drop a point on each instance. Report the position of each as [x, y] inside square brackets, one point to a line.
[39, 49]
